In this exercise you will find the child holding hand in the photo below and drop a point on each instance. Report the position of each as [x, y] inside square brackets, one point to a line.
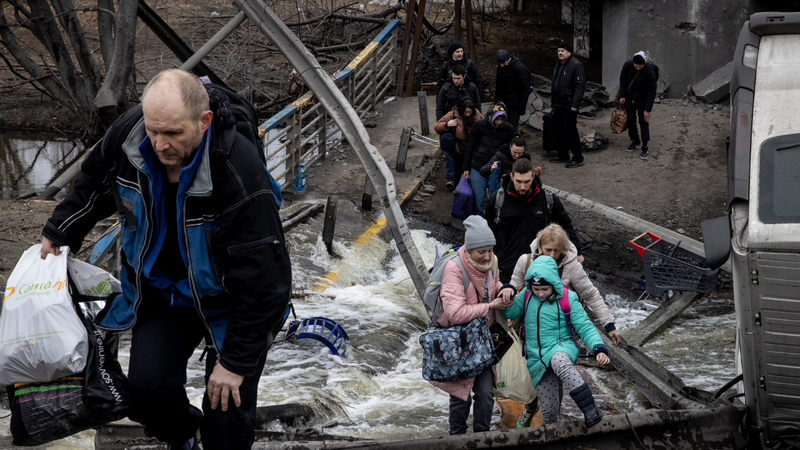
[551, 345]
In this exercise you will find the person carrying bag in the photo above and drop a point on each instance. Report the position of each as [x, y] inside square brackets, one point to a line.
[461, 307]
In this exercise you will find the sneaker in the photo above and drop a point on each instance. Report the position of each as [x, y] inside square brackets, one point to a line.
[450, 186]
[644, 153]
[524, 420]
[635, 145]
[559, 160]
[573, 164]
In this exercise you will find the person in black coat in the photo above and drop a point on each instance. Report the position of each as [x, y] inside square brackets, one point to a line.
[456, 57]
[453, 92]
[487, 136]
[637, 93]
[512, 85]
[569, 84]
[506, 157]
[523, 214]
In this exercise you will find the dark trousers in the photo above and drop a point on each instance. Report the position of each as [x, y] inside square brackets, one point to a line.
[454, 165]
[162, 343]
[481, 413]
[513, 118]
[633, 111]
[565, 134]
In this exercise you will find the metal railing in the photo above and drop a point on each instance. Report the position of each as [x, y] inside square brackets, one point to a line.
[302, 133]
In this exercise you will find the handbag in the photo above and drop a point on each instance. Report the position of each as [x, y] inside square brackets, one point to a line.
[619, 120]
[457, 352]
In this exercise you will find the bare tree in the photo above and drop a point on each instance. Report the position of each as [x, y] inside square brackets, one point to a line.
[63, 65]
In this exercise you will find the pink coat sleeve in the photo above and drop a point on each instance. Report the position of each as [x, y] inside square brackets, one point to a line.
[459, 306]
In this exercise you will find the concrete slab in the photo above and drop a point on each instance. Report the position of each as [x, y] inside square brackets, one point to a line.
[715, 87]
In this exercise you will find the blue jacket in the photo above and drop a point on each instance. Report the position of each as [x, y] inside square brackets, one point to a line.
[230, 235]
[546, 328]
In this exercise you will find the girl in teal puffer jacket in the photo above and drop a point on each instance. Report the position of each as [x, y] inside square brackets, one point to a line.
[549, 344]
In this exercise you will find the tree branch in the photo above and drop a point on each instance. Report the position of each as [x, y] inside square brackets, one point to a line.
[105, 28]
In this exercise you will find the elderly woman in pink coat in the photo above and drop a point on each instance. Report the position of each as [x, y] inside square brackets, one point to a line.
[484, 294]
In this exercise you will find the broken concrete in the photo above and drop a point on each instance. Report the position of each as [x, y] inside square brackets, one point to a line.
[593, 141]
[715, 87]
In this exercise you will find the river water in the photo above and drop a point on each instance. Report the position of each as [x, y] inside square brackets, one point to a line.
[28, 164]
[377, 390]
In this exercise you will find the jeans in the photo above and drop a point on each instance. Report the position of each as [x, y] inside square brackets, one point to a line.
[484, 405]
[448, 159]
[565, 134]
[633, 111]
[478, 184]
[163, 340]
[494, 180]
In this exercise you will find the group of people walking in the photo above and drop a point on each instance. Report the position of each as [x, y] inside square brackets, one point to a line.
[520, 247]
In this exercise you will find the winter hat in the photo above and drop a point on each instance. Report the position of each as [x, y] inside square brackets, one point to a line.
[502, 56]
[455, 45]
[497, 114]
[536, 281]
[565, 45]
[639, 58]
[478, 233]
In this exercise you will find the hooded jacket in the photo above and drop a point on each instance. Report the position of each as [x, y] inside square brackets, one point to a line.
[229, 229]
[473, 73]
[521, 218]
[462, 307]
[462, 138]
[485, 140]
[450, 96]
[513, 85]
[546, 327]
[574, 277]
[568, 92]
[642, 93]
[506, 161]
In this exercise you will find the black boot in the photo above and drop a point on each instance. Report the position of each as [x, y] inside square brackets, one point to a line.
[585, 401]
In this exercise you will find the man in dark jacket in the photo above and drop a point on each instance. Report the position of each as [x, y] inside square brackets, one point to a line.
[523, 213]
[456, 57]
[203, 257]
[505, 158]
[569, 84]
[512, 85]
[454, 91]
[487, 136]
[637, 93]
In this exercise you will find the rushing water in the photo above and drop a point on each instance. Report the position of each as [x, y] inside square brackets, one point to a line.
[377, 390]
[28, 162]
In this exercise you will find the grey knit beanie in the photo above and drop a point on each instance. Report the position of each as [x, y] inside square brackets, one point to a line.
[478, 233]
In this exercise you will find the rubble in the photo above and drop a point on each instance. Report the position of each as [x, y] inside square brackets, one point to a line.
[593, 141]
[715, 87]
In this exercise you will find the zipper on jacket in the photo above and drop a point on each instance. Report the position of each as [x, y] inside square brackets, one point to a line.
[539, 327]
[195, 295]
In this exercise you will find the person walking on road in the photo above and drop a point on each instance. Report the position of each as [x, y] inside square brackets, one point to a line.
[454, 129]
[487, 136]
[524, 210]
[569, 84]
[457, 89]
[203, 258]
[456, 57]
[512, 85]
[637, 93]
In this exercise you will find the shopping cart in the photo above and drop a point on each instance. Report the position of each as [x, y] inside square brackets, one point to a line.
[669, 267]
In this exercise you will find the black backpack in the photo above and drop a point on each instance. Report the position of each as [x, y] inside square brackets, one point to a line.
[655, 69]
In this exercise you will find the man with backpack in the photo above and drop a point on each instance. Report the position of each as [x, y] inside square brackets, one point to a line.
[512, 85]
[203, 257]
[637, 93]
[518, 211]
[456, 57]
[454, 91]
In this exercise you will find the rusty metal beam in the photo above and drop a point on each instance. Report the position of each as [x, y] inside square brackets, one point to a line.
[415, 47]
[401, 72]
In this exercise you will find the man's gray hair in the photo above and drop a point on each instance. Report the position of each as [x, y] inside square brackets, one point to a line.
[193, 94]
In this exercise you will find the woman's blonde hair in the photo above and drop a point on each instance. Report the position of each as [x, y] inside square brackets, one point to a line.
[553, 233]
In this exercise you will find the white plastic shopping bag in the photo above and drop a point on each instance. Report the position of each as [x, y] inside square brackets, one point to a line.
[513, 378]
[91, 280]
[41, 336]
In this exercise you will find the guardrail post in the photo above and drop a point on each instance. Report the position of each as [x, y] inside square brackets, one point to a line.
[330, 223]
[373, 79]
[423, 112]
[366, 197]
[402, 152]
[291, 147]
[393, 49]
[322, 137]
